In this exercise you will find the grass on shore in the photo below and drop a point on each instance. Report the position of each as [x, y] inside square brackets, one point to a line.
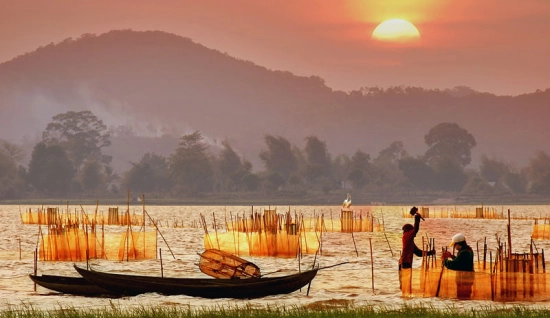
[245, 311]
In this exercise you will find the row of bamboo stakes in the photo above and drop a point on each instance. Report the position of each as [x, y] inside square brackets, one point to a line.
[52, 216]
[65, 241]
[477, 213]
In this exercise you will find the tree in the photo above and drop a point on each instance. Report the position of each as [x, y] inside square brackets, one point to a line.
[279, 156]
[391, 154]
[92, 177]
[50, 170]
[492, 169]
[251, 181]
[10, 180]
[318, 162]
[477, 185]
[449, 175]
[150, 174]
[504, 175]
[13, 151]
[110, 176]
[274, 181]
[539, 173]
[341, 168]
[449, 140]
[81, 134]
[190, 166]
[232, 168]
[417, 171]
[385, 167]
[359, 169]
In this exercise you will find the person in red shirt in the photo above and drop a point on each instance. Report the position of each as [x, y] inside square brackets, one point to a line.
[409, 247]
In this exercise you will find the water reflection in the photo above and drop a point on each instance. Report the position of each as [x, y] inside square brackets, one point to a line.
[351, 282]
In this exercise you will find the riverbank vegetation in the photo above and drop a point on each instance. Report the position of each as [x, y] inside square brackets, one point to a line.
[69, 164]
[245, 311]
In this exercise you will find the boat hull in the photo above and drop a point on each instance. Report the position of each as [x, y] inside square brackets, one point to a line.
[199, 287]
[69, 285]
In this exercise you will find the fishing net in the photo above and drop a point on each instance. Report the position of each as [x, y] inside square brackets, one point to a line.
[220, 264]
[280, 244]
[73, 244]
[517, 277]
[541, 229]
[54, 216]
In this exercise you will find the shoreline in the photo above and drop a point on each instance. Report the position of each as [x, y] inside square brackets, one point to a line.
[331, 309]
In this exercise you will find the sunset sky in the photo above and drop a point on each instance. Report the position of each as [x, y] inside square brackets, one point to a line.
[497, 46]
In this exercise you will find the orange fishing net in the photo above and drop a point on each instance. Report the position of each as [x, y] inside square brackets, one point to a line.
[73, 244]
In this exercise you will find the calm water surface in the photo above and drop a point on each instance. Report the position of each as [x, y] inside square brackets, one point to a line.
[349, 282]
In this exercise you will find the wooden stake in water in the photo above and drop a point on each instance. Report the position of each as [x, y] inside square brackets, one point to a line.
[353, 238]
[509, 237]
[161, 268]
[35, 264]
[372, 263]
[443, 250]
[216, 229]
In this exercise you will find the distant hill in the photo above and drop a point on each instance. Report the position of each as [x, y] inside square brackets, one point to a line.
[155, 82]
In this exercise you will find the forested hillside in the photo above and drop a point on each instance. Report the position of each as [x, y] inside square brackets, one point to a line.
[151, 88]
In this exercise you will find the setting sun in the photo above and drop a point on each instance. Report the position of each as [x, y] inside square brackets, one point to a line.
[396, 30]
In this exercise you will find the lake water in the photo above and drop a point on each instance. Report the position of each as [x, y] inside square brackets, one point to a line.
[351, 282]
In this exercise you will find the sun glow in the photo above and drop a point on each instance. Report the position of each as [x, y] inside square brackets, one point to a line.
[396, 30]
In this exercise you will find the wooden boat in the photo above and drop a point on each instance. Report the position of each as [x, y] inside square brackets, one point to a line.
[69, 285]
[199, 287]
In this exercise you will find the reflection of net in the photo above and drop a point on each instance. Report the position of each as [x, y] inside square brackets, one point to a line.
[541, 229]
[480, 285]
[513, 277]
[53, 216]
[71, 244]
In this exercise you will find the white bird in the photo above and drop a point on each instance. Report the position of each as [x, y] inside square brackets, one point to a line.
[347, 201]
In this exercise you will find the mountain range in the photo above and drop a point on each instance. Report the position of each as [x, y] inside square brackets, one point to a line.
[151, 87]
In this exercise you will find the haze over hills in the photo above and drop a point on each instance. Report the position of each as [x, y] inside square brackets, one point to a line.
[155, 83]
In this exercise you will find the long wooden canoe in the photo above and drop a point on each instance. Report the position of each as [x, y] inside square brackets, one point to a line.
[198, 287]
[69, 285]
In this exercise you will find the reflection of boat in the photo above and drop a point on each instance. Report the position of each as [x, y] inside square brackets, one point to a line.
[199, 287]
[69, 285]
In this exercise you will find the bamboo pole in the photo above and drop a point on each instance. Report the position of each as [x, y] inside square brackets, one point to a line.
[372, 263]
[509, 237]
[492, 276]
[161, 267]
[440, 275]
[354, 245]
[216, 229]
[35, 269]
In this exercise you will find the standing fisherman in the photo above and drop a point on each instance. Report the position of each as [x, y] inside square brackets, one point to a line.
[409, 247]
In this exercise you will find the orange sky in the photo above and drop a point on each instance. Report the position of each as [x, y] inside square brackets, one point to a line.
[498, 46]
